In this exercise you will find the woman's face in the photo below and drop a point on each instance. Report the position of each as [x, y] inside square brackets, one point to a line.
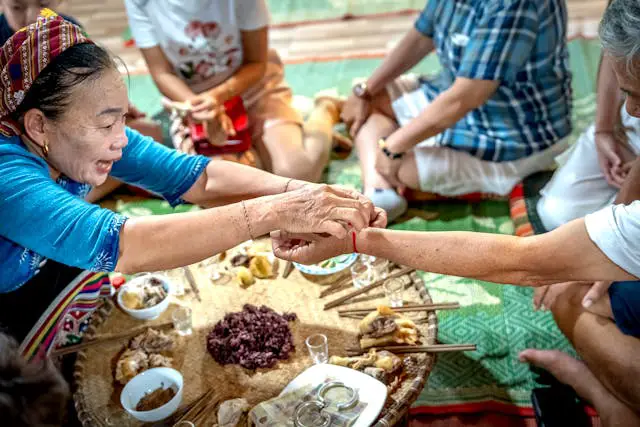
[89, 137]
[20, 13]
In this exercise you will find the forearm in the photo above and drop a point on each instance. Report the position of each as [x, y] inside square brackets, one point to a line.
[245, 78]
[630, 190]
[564, 254]
[608, 97]
[168, 241]
[172, 86]
[445, 111]
[228, 182]
[410, 50]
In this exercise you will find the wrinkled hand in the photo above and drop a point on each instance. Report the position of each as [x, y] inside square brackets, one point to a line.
[388, 168]
[355, 113]
[613, 157]
[312, 248]
[320, 208]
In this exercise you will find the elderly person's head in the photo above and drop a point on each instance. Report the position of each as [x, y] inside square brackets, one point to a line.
[64, 97]
[31, 394]
[620, 37]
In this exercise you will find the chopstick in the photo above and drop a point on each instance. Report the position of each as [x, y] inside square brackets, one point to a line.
[338, 286]
[288, 268]
[342, 300]
[108, 338]
[198, 408]
[404, 309]
[404, 349]
[192, 282]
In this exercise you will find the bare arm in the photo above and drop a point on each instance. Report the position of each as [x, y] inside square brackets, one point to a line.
[228, 182]
[255, 51]
[608, 97]
[408, 52]
[448, 108]
[164, 76]
[630, 189]
[565, 254]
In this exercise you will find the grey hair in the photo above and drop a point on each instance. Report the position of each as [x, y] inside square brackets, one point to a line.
[620, 31]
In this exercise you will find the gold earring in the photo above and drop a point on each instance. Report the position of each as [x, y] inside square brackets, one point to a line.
[45, 149]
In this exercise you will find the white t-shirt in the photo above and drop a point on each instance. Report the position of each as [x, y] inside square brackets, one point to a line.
[201, 38]
[616, 231]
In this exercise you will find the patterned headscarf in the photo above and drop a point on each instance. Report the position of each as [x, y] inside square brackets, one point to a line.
[26, 54]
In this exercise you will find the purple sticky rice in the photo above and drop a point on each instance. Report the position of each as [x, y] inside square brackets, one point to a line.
[253, 338]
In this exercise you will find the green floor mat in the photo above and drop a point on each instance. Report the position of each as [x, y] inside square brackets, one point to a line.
[499, 319]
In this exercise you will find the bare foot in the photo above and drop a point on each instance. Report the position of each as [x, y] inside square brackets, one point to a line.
[577, 375]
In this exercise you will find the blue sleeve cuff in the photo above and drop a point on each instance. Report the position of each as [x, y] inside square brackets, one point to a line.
[107, 258]
[199, 165]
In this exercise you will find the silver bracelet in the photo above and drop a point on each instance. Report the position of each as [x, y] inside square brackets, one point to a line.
[246, 218]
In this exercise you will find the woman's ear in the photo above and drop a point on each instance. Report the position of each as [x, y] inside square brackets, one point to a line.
[34, 126]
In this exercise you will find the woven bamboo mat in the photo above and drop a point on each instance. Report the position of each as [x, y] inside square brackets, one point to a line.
[97, 396]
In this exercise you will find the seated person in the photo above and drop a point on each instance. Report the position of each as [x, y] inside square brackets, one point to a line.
[63, 131]
[20, 13]
[32, 394]
[603, 246]
[599, 163]
[496, 113]
[206, 54]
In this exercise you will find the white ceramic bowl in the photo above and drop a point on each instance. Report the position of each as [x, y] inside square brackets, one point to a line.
[146, 382]
[151, 312]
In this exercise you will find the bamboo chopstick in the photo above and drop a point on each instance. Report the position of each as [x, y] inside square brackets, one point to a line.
[288, 268]
[342, 300]
[192, 282]
[108, 338]
[342, 284]
[198, 408]
[405, 309]
[404, 349]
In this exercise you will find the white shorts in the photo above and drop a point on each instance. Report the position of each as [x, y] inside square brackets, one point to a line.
[450, 172]
[579, 188]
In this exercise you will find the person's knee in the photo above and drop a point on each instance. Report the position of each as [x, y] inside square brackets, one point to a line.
[569, 300]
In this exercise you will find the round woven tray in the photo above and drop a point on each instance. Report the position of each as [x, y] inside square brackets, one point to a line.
[97, 396]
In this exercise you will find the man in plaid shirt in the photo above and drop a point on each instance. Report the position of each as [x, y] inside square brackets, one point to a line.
[498, 111]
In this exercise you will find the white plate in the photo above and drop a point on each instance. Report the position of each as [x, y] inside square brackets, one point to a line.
[342, 262]
[369, 389]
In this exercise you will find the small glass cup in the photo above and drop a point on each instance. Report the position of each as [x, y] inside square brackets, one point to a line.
[182, 320]
[362, 274]
[318, 348]
[394, 289]
[380, 268]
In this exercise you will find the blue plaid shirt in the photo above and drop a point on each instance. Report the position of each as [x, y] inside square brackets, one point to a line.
[522, 44]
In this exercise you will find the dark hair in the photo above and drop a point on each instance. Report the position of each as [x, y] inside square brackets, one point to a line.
[31, 394]
[51, 90]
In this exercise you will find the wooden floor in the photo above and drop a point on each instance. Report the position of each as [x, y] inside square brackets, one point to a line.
[106, 20]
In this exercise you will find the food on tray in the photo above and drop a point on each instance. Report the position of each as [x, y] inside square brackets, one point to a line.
[145, 351]
[145, 294]
[231, 412]
[240, 260]
[260, 267]
[253, 338]
[152, 341]
[155, 399]
[332, 262]
[245, 277]
[384, 326]
[384, 366]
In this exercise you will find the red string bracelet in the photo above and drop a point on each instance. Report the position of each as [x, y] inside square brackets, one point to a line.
[353, 238]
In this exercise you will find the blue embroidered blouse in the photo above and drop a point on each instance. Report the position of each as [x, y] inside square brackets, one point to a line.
[43, 219]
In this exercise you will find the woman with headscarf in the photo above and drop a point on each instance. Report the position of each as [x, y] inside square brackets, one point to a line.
[63, 105]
